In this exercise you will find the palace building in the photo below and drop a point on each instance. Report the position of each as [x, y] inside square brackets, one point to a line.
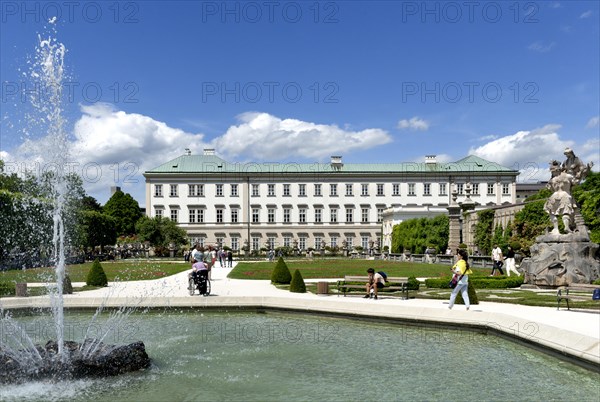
[313, 205]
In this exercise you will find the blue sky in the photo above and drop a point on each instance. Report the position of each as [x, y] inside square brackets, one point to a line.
[380, 81]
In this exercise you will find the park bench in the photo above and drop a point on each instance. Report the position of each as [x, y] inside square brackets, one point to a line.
[355, 283]
[576, 292]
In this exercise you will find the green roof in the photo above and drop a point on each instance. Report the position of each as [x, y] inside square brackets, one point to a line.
[213, 164]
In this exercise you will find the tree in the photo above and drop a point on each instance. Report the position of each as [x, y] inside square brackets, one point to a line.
[160, 231]
[97, 229]
[281, 273]
[483, 230]
[418, 234]
[587, 196]
[96, 276]
[297, 284]
[125, 210]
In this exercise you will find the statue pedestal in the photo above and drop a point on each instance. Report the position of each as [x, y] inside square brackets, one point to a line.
[561, 260]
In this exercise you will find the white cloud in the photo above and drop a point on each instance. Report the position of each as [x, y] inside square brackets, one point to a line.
[527, 151]
[586, 14]
[541, 47]
[555, 4]
[414, 124]
[261, 136]
[593, 122]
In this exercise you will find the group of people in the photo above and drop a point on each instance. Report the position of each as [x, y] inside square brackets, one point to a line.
[499, 260]
[198, 253]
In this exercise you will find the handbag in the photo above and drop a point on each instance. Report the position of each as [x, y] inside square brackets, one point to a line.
[454, 282]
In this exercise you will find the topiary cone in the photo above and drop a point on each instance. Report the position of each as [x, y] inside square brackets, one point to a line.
[281, 273]
[96, 276]
[297, 285]
[472, 296]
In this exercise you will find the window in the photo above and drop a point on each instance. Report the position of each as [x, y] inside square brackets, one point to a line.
[349, 189]
[286, 215]
[490, 189]
[318, 215]
[318, 190]
[220, 241]
[364, 189]
[219, 191]
[255, 215]
[255, 192]
[271, 215]
[302, 215]
[196, 190]
[270, 243]
[333, 190]
[426, 189]
[505, 189]
[380, 189]
[158, 190]
[302, 190]
[219, 215]
[196, 215]
[460, 188]
[318, 240]
[476, 189]
[350, 242]
[379, 215]
[234, 190]
[234, 215]
[333, 215]
[174, 215]
[173, 192]
[364, 242]
[396, 189]
[192, 216]
[235, 243]
[158, 213]
[333, 241]
[364, 215]
[286, 241]
[302, 243]
[255, 245]
[349, 215]
[443, 189]
[286, 190]
[271, 190]
[411, 188]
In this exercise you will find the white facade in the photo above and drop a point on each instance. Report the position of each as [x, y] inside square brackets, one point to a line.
[305, 205]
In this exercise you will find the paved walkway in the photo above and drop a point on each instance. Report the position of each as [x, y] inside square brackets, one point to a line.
[573, 333]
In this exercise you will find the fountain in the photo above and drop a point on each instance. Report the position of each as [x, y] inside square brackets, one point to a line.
[20, 358]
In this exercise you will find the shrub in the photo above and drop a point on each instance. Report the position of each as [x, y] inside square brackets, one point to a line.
[7, 289]
[596, 282]
[480, 282]
[281, 273]
[67, 286]
[472, 296]
[96, 276]
[413, 283]
[297, 285]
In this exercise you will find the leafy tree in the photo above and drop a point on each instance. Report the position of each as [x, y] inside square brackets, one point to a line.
[532, 220]
[419, 233]
[160, 231]
[483, 230]
[125, 210]
[587, 195]
[97, 229]
[499, 237]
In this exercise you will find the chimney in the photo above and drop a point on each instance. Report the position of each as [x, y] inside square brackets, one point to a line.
[430, 159]
[336, 163]
[188, 151]
[209, 151]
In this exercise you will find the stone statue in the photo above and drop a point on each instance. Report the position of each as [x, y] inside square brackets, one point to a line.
[563, 259]
[560, 202]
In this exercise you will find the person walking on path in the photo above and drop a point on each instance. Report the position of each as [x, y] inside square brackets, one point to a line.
[461, 268]
[498, 260]
[510, 262]
[229, 258]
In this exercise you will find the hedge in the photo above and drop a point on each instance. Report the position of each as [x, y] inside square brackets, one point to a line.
[7, 289]
[479, 282]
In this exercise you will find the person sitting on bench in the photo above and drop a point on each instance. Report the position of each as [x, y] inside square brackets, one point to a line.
[376, 282]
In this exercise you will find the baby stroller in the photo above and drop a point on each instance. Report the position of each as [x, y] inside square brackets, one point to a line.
[199, 281]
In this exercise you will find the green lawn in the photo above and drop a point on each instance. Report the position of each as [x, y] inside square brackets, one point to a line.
[127, 270]
[337, 268]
